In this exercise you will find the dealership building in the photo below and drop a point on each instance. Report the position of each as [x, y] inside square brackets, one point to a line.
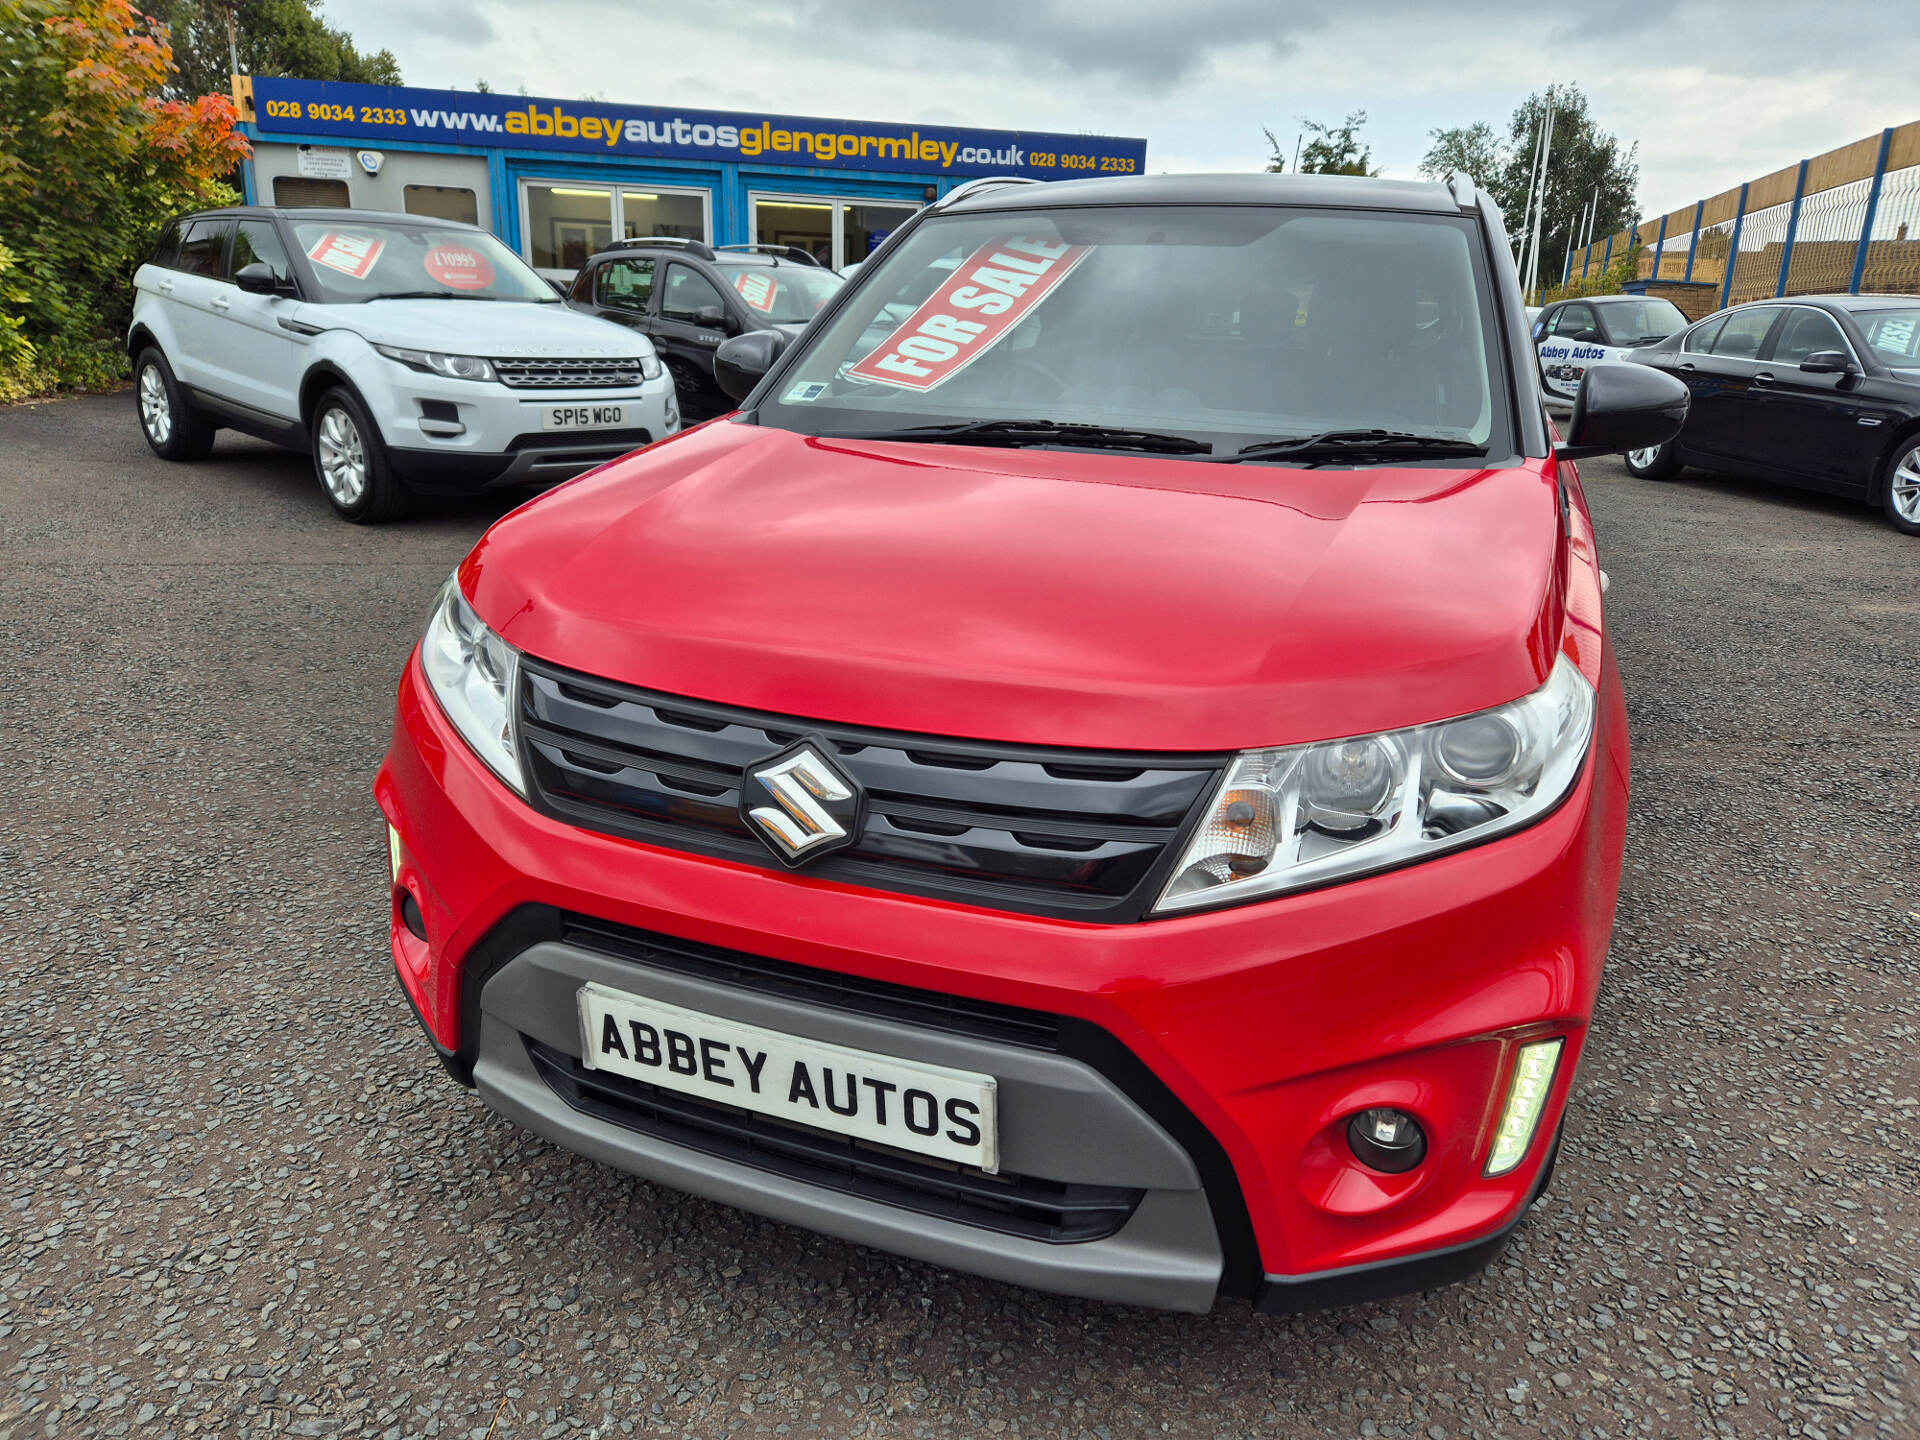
[559, 179]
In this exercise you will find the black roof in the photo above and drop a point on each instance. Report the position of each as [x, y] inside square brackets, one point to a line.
[1355, 192]
[315, 212]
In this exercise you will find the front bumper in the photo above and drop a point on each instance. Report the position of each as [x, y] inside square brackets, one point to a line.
[444, 434]
[1207, 1061]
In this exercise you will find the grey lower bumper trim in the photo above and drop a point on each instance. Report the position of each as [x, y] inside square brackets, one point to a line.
[1166, 1256]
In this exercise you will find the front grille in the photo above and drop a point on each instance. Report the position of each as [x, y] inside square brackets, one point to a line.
[1011, 1204]
[1078, 834]
[581, 374]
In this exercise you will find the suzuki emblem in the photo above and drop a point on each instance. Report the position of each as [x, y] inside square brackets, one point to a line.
[801, 804]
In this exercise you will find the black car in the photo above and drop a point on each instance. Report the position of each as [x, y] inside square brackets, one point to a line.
[1821, 391]
[689, 296]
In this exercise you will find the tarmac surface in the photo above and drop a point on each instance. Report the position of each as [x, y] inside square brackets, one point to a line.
[241, 1198]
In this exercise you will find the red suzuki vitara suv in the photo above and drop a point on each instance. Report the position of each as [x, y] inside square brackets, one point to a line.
[1106, 772]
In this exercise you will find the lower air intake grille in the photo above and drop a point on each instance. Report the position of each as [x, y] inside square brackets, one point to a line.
[1011, 1204]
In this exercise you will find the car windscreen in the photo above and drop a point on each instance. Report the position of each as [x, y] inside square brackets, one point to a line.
[1229, 325]
[782, 294]
[1639, 322]
[1892, 334]
[352, 260]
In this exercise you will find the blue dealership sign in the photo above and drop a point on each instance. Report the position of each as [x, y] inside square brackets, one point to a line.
[396, 115]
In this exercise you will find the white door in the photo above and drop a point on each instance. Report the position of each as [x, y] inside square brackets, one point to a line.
[189, 291]
[261, 363]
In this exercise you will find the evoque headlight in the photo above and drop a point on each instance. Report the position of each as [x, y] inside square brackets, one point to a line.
[473, 673]
[432, 362]
[1301, 816]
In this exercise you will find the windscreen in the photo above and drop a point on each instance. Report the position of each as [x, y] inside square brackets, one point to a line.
[1640, 322]
[365, 260]
[782, 294]
[1229, 325]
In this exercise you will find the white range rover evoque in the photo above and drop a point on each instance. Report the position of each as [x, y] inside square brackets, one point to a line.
[408, 355]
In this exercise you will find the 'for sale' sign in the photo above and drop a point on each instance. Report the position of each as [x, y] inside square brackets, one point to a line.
[994, 289]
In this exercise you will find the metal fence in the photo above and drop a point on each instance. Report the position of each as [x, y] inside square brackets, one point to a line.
[1848, 220]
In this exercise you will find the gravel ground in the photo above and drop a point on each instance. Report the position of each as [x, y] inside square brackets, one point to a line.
[241, 1198]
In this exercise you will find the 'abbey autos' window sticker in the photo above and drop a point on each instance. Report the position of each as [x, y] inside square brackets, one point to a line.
[992, 291]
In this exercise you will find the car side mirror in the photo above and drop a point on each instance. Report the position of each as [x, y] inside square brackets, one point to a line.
[742, 362]
[711, 316]
[1828, 362]
[258, 279]
[1623, 407]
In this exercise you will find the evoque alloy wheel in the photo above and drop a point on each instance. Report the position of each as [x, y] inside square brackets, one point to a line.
[174, 427]
[350, 461]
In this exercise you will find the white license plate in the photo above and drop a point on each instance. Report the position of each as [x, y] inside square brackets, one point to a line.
[583, 417]
[928, 1109]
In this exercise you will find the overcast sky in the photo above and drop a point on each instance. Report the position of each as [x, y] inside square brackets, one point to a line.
[1715, 93]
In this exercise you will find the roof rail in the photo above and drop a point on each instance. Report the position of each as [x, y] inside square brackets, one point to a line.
[698, 248]
[799, 254]
[976, 187]
[1465, 192]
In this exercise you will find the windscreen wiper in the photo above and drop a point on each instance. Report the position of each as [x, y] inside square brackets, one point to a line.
[1039, 432]
[430, 295]
[1352, 444]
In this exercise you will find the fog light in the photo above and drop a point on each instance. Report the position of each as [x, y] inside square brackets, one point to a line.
[411, 917]
[1390, 1141]
[1526, 1102]
[393, 854]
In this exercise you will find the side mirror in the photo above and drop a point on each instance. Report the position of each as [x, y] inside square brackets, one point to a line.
[257, 279]
[711, 316]
[1827, 362]
[1624, 407]
[740, 363]
[558, 288]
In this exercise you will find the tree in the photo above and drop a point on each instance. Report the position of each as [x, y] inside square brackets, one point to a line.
[274, 37]
[92, 161]
[1585, 160]
[1470, 150]
[1336, 149]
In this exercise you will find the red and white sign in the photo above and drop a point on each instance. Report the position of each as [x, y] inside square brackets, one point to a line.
[349, 254]
[757, 290]
[459, 268]
[994, 289]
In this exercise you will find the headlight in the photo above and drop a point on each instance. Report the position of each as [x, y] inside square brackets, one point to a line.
[432, 362]
[650, 366]
[1305, 815]
[472, 672]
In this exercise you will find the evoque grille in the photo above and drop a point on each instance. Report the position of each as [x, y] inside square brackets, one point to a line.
[581, 374]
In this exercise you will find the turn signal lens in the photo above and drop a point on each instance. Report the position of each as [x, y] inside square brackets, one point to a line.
[1526, 1101]
[393, 854]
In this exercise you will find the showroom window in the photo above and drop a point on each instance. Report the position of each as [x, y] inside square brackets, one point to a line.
[836, 232]
[298, 190]
[564, 222]
[443, 202]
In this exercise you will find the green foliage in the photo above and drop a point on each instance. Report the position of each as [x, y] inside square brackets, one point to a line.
[1585, 159]
[1470, 150]
[92, 163]
[1610, 281]
[1334, 149]
[274, 37]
